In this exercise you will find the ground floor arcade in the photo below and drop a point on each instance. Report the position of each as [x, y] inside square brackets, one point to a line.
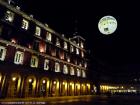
[29, 85]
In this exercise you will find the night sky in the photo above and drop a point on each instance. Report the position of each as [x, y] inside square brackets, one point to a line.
[120, 51]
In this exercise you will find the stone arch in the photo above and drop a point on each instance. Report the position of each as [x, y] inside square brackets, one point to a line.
[30, 86]
[44, 85]
[83, 88]
[71, 88]
[63, 88]
[77, 88]
[55, 87]
[14, 85]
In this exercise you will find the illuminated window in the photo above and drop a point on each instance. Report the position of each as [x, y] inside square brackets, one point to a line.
[49, 36]
[85, 65]
[46, 64]
[68, 59]
[61, 54]
[19, 57]
[78, 73]
[57, 42]
[77, 51]
[42, 47]
[37, 31]
[53, 52]
[65, 69]
[34, 61]
[25, 24]
[71, 48]
[65, 45]
[9, 16]
[80, 64]
[57, 67]
[2, 53]
[82, 53]
[83, 73]
[72, 71]
[82, 45]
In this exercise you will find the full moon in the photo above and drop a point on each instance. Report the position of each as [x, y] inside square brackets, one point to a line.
[107, 25]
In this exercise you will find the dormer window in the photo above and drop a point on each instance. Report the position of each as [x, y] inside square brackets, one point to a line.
[49, 36]
[9, 16]
[57, 42]
[37, 31]
[65, 45]
[25, 24]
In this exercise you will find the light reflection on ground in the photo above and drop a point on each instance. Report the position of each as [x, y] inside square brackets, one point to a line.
[95, 100]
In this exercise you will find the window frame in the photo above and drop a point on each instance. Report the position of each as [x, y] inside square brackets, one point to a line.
[36, 61]
[19, 59]
[57, 69]
[7, 16]
[37, 31]
[65, 69]
[72, 71]
[3, 53]
[46, 64]
[25, 24]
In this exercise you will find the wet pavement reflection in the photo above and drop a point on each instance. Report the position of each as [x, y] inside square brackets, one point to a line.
[123, 100]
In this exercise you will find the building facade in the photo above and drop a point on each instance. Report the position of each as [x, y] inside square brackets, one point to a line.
[36, 61]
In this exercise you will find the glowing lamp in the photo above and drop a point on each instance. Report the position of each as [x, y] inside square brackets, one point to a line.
[44, 82]
[14, 78]
[30, 80]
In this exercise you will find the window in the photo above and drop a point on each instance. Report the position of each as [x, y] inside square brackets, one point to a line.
[57, 67]
[71, 48]
[80, 64]
[9, 16]
[68, 59]
[72, 71]
[25, 24]
[49, 36]
[82, 54]
[57, 42]
[65, 69]
[19, 57]
[37, 31]
[61, 54]
[46, 64]
[34, 61]
[65, 45]
[42, 47]
[77, 51]
[78, 73]
[85, 65]
[83, 73]
[82, 45]
[36, 45]
[2, 53]
[53, 51]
